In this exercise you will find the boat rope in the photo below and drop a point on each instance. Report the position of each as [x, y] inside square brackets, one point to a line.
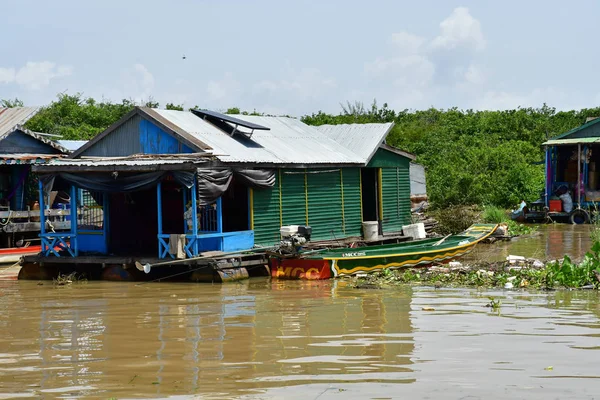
[7, 219]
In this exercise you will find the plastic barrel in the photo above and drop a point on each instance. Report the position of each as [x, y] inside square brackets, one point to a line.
[370, 230]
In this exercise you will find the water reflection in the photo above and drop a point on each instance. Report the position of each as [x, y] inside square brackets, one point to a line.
[551, 242]
[103, 339]
[293, 340]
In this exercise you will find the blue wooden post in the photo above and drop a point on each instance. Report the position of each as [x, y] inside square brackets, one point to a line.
[195, 214]
[42, 215]
[159, 210]
[74, 220]
[105, 216]
[185, 226]
[219, 216]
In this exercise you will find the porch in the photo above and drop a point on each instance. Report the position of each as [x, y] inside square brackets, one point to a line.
[156, 209]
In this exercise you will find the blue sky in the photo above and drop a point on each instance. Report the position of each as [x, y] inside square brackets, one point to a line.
[298, 57]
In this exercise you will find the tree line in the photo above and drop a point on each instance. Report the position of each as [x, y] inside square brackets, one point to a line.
[471, 157]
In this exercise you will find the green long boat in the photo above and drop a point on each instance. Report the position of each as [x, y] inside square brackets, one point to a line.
[351, 261]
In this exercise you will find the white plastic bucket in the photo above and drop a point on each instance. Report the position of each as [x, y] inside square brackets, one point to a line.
[415, 231]
[370, 230]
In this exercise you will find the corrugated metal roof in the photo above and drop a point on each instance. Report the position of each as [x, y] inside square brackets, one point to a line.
[119, 162]
[72, 145]
[289, 141]
[11, 117]
[362, 139]
[558, 142]
[26, 158]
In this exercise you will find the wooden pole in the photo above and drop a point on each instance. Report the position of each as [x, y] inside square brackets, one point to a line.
[578, 175]
[195, 214]
[73, 213]
[159, 211]
[42, 214]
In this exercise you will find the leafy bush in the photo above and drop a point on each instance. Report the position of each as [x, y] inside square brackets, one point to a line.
[572, 275]
[494, 215]
[455, 219]
[517, 229]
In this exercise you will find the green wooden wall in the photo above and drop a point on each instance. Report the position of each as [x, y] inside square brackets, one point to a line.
[395, 189]
[329, 200]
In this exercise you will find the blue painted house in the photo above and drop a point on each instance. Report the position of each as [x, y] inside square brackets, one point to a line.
[176, 183]
[573, 172]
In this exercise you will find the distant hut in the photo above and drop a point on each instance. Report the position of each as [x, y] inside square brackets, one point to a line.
[21, 148]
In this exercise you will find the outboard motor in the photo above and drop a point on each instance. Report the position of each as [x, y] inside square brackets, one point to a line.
[293, 238]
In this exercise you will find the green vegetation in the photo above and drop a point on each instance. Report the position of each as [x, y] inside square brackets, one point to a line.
[494, 215]
[472, 157]
[569, 274]
[554, 275]
[518, 229]
[455, 219]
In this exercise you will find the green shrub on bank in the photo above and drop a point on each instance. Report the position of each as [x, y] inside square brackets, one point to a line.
[455, 219]
[493, 215]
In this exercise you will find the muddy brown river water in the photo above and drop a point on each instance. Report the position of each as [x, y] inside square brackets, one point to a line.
[263, 339]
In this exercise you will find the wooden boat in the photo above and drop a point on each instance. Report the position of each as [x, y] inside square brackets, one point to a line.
[351, 261]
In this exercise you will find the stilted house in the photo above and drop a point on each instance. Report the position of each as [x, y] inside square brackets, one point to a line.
[21, 148]
[572, 185]
[177, 183]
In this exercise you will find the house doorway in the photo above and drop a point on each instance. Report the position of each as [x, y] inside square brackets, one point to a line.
[133, 223]
[235, 207]
[370, 194]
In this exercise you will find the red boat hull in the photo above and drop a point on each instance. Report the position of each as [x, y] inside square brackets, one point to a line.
[300, 269]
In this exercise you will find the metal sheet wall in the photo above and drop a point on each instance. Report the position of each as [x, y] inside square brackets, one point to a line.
[396, 198]
[124, 141]
[352, 202]
[333, 198]
[325, 213]
[267, 214]
[293, 197]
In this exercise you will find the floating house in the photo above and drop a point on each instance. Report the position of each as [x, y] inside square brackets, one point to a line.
[173, 184]
[573, 172]
[20, 149]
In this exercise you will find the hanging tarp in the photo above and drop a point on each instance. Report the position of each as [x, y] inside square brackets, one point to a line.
[213, 182]
[116, 183]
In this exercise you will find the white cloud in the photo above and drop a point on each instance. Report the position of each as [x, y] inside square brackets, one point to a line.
[407, 43]
[147, 79]
[137, 83]
[460, 29]
[34, 75]
[225, 92]
[409, 71]
[420, 71]
[504, 100]
[7, 75]
[305, 83]
[475, 75]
